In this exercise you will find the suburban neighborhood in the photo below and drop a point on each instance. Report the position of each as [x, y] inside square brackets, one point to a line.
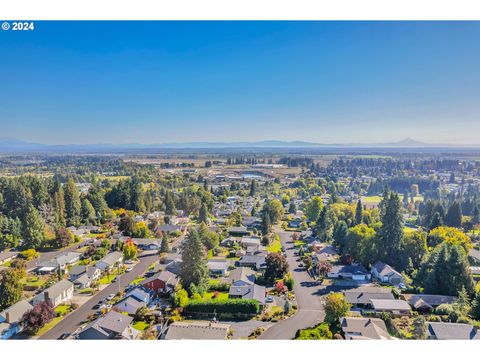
[307, 249]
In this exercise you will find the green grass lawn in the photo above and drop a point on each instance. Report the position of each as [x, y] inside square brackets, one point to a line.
[275, 246]
[140, 325]
[371, 199]
[32, 280]
[138, 280]
[298, 243]
[221, 295]
[62, 309]
[49, 326]
[107, 279]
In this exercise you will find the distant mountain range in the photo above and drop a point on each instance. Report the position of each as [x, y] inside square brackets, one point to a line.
[12, 145]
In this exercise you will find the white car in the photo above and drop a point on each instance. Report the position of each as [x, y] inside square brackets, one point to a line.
[269, 299]
[129, 262]
[110, 297]
[128, 269]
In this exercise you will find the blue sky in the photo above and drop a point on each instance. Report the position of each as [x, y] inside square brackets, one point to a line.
[155, 82]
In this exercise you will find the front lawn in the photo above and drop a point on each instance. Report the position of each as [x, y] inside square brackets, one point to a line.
[275, 246]
[62, 310]
[107, 279]
[49, 326]
[221, 295]
[137, 281]
[33, 281]
[140, 325]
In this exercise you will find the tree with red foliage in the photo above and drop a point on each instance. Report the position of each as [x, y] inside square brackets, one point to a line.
[276, 267]
[324, 268]
[37, 317]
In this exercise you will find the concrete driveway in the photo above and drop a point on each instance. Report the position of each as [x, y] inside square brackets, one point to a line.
[308, 293]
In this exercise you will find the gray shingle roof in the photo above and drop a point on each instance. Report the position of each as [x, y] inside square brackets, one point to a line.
[197, 331]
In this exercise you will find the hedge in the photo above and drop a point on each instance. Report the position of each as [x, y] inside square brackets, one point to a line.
[229, 306]
[219, 286]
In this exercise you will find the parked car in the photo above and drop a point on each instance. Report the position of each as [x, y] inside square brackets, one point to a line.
[128, 269]
[110, 297]
[269, 299]
[129, 262]
[63, 336]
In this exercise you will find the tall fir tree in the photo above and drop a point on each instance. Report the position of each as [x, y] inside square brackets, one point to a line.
[194, 265]
[359, 213]
[391, 230]
[34, 229]
[72, 203]
[453, 218]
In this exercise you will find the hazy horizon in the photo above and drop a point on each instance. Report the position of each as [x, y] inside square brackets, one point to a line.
[164, 82]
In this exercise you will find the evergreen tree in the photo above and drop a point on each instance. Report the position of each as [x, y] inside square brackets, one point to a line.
[34, 229]
[88, 212]
[446, 271]
[253, 188]
[476, 215]
[292, 209]
[203, 214]
[391, 231]
[454, 215]
[194, 266]
[72, 203]
[59, 204]
[266, 223]
[436, 221]
[165, 247]
[359, 213]
[340, 233]
[169, 203]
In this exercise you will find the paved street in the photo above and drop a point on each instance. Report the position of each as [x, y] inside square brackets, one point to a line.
[307, 291]
[73, 320]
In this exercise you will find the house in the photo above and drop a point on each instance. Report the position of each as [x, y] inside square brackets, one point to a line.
[362, 296]
[426, 302]
[242, 276]
[197, 331]
[295, 223]
[169, 228]
[250, 241]
[141, 294]
[109, 261]
[10, 319]
[474, 256]
[129, 304]
[57, 294]
[238, 231]
[60, 262]
[358, 328]
[391, 306]
[218, 267]
[354, 272]
[249, 291]
[147, 244]
[254, 261]
[325, 253]
[386, 274]
[7, 256]
[82, 276]
[111, 326]
[451, 331]
[161, 283]
[251, 221]
[174, 266]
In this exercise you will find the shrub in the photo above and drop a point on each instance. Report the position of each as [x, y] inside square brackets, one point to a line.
[319, 332]
[229, 306]
[219, 286]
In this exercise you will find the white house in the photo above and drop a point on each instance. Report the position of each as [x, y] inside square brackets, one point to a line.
[386, 274]
[59, 293]
[110, 260]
